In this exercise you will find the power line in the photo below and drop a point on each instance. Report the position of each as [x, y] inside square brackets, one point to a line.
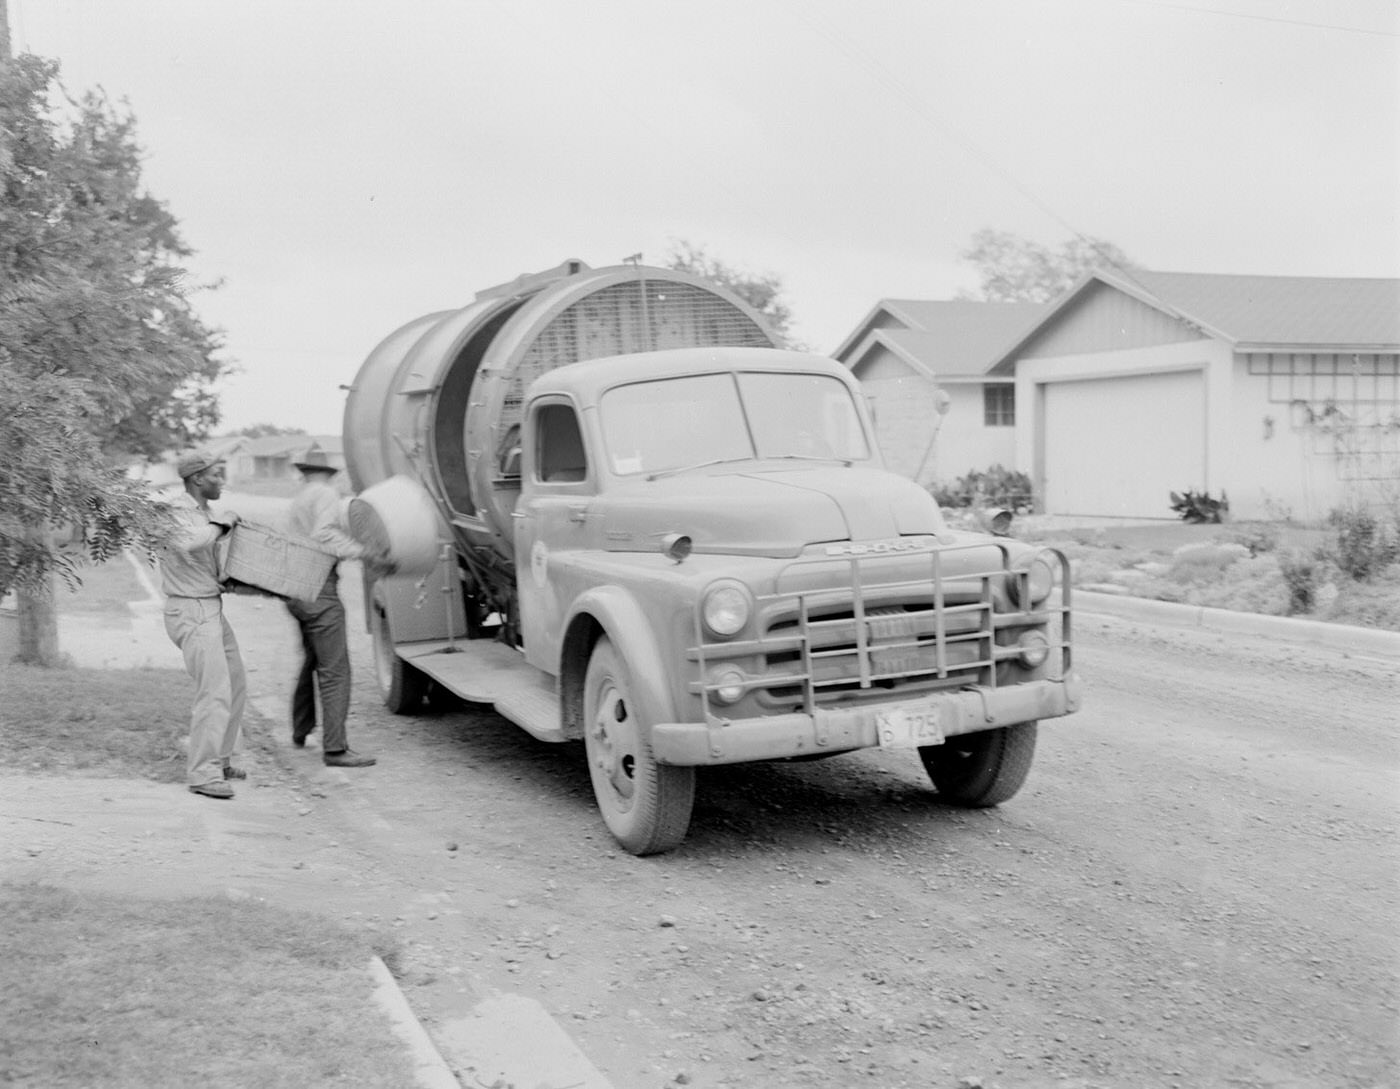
[856, 53]
[1262, 18]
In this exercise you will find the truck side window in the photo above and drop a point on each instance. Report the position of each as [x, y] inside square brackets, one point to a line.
[559, 456]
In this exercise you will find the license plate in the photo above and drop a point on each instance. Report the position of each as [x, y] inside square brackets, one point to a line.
[909, 727]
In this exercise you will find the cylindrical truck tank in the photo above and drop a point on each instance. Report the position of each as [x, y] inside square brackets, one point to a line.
[435, 406]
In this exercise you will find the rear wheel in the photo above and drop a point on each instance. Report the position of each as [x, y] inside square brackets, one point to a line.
[404, 688]
[645, 805]
[981, 769]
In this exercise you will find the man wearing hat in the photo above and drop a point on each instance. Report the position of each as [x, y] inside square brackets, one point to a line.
[315, 513]
[195, 622]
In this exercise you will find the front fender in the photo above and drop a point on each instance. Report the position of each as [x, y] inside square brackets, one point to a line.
[612, 611]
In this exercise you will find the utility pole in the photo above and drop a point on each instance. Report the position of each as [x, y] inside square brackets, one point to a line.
[4, 30]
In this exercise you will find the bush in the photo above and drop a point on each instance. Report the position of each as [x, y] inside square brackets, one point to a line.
[1364, 543]
[1300, 576]
[1199, 507]
[996, 487]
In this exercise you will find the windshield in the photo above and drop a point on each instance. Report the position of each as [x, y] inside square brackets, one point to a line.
[681, 423]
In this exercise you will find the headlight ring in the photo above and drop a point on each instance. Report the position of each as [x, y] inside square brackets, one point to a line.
[725, 609]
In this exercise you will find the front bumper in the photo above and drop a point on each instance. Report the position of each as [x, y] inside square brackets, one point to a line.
[829, 730]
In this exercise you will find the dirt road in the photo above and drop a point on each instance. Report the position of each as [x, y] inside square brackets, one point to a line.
[1197, 887]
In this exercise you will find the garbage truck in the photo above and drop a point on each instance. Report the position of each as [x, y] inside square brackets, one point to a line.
[620, 514]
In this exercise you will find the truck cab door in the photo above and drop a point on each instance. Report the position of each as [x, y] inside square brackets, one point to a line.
[550, 524]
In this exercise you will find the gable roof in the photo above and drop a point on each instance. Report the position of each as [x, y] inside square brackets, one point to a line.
[958, 336]
[1254, 313]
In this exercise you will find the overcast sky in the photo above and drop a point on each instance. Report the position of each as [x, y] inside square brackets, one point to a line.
[344, 166]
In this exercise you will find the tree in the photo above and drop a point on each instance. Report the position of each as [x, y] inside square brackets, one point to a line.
[102, 358]
[762, 292]
[262, 430]
[1015, 269]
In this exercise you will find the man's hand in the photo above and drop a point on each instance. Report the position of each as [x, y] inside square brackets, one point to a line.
[378, 565]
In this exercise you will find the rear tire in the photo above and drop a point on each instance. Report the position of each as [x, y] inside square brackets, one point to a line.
[645, 805]
[404, 688]
[979, 770]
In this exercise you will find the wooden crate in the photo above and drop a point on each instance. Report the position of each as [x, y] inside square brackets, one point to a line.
[281, 565]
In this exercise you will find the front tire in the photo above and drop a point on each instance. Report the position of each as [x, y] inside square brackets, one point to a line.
[984, 769]
[404, 688]
[645, 805]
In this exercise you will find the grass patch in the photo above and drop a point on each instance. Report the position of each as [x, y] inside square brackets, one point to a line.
[106, 588]
[125, 992]
[1243, 567]
[119, 722]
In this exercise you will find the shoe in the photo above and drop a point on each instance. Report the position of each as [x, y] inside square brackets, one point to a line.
[231, 772]
[348, 758]
[212, 790]
[299, 739]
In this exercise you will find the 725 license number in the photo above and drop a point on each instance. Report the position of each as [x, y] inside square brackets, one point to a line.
[909, 727]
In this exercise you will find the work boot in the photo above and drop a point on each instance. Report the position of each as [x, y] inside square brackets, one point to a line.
[212, 790]
[348, 758]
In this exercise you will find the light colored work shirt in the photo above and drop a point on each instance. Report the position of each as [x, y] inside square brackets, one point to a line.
[315, 514]
[189, 566]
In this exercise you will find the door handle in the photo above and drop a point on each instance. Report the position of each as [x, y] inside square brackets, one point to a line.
[578, 512]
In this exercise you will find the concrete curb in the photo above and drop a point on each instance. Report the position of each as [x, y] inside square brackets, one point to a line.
[429, 1067]
[1340, 637]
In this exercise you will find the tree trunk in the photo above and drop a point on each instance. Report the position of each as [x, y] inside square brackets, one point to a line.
[38, 622]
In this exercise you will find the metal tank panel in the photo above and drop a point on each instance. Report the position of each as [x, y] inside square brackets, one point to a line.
[364, 433]
[599, 313]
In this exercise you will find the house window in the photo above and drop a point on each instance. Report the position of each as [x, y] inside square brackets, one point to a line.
[999, 405]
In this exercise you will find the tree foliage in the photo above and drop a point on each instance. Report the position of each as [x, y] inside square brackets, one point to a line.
[102, 358]
[1015, 269]
[763, 292]
[263, 430]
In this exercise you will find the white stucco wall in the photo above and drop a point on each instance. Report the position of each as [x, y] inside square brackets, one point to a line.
[906, 422]
[1286, 466]
[966, 443]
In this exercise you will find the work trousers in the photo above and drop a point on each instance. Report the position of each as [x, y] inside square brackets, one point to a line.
[198, 627]
[325, 667]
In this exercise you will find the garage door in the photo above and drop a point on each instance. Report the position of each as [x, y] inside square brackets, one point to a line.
[1118, 446]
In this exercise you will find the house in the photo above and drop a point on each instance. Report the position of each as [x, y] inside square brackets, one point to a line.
[274, 457]
[1281, 392]
[924, 369]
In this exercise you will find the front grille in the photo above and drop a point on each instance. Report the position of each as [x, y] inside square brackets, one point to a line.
[863, 629]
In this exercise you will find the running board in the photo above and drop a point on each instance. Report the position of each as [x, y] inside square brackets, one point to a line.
[484, 671]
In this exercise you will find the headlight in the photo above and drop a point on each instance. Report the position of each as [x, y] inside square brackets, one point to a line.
[726, 609]
[1033, 577]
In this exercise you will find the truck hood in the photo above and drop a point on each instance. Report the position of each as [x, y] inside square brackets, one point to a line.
[758, 513]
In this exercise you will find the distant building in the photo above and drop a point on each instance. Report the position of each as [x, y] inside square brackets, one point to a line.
[273, 457]
[1282, 392]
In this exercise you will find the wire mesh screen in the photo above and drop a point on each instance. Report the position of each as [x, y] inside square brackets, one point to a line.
[641, 315]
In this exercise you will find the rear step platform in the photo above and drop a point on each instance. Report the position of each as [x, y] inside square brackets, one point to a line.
[484, 671]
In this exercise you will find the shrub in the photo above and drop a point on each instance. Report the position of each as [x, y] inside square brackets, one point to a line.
[1364, 544]
[1199, 507]
[997, 487]
[1300, 576]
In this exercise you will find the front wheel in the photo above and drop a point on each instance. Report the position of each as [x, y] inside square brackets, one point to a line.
[982, 769]
[402, 686]
[645, 805]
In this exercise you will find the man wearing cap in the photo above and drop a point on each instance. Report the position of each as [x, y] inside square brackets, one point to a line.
[315, 513]
[195, 622]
